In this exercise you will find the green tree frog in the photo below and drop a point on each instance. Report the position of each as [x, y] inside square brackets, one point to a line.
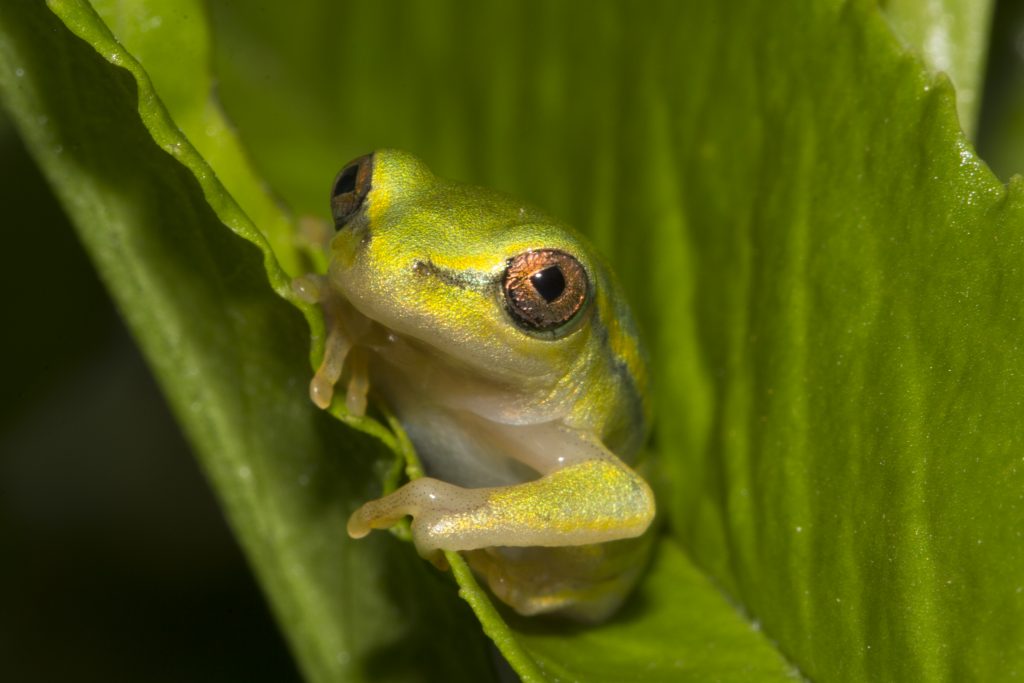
[506, 349]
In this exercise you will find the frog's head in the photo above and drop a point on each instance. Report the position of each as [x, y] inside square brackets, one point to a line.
[471, 272]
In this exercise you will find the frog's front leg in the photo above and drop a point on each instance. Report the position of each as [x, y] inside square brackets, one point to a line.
[591, 501]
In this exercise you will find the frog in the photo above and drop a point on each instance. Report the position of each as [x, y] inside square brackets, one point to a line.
[504, 346]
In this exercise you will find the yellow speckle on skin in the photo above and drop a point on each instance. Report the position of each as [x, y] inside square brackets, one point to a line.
[595, 496]
[377, 202]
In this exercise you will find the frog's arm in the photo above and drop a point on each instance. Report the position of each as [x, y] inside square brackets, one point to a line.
[588, 501]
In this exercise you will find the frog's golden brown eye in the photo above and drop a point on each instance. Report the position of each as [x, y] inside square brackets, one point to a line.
[545, 289]
[350, 189]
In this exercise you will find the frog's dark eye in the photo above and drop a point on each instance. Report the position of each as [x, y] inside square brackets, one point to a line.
[350, 189]
[544, 289]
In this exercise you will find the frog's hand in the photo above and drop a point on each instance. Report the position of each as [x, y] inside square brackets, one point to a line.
[592, 501]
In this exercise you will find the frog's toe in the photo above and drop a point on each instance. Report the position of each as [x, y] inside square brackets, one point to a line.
[309, 288]
[441, 512]
[420, 499]
[382, 513]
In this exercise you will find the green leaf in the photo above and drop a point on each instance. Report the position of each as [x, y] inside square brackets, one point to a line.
[827, 274]
[230, 354]
[679, 627]
[170, 39]
[825, 269]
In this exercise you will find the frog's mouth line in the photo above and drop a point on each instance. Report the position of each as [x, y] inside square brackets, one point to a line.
[474, 280]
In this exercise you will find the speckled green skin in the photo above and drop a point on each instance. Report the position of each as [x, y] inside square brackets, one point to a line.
[525, 434]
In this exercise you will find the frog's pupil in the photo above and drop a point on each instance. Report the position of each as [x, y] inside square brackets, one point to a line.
[347, 181]
[549, 283]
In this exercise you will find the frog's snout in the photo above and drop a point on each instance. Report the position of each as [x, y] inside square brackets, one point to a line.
[350, 188]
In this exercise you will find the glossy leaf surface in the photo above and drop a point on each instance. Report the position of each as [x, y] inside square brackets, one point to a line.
[827, 275]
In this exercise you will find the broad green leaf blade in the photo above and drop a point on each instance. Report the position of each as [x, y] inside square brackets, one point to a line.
[826, 271]
[951, 36]
[827, 274]
[858, 319]
[170, 38]
[755, 650]
[696, 631]
[230, 354]
[317, 67]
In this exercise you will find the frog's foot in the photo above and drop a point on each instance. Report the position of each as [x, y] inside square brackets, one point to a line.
[584, 583]
[431, 502]
[339, 347]
[336, 349]
[589, 502]
[309, 288]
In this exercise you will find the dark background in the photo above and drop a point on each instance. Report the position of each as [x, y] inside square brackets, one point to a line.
[116, 562]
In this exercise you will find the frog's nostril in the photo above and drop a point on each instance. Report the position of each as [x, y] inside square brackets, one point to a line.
[350, 189]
